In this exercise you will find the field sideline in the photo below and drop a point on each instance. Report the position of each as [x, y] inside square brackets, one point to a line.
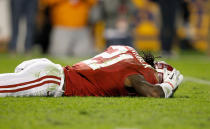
[189, 109]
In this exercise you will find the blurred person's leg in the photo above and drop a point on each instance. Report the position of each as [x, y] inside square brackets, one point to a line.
[16, 13]
[185, 42]
[45, 38]
[30, 11]
[59, 42]
[45, 32]
[84, 43]
[168, 10]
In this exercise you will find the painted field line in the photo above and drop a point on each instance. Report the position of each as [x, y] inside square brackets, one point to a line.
[196, 80]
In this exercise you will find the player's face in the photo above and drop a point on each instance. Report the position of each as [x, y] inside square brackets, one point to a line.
[163, 69]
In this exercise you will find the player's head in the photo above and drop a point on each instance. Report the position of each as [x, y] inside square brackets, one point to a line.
[149, 58]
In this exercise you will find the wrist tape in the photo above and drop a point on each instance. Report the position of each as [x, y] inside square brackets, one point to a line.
[167, 88]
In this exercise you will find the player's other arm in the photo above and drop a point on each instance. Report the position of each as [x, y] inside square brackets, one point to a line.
[165, 89]
[144, 88]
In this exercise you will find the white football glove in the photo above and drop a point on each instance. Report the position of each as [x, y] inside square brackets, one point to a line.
[174, 79]
[169, 78]
[163, 69]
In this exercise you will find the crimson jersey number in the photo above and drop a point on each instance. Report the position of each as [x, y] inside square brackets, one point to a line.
[113, 55]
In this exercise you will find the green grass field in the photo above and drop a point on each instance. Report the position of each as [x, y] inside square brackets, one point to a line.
[189, 109]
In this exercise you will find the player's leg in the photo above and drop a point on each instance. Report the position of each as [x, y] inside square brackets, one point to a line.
[39, 78]
[27, 63]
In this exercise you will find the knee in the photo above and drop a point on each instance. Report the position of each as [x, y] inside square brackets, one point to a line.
[28, 63]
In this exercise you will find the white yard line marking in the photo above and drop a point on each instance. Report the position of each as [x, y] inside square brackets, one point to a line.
[196, 80]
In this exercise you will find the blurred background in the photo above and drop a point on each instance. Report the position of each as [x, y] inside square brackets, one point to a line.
[81, 28]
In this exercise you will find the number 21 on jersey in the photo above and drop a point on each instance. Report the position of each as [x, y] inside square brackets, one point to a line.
[113, 55]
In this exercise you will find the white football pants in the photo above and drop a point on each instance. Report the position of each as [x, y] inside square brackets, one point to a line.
[37, 77]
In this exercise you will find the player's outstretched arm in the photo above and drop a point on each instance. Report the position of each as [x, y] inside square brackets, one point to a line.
[144, 88]
[165, 89]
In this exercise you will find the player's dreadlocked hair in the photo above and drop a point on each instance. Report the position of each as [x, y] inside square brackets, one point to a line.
[149, 58]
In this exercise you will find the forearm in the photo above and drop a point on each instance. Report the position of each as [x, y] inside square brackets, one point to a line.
[144, 88]
[149, 90]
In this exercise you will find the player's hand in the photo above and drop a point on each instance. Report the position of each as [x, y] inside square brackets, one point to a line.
[174, 78]
[166, 73]
[164, 70]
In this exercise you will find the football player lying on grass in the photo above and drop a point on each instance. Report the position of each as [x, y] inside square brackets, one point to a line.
[119, 71]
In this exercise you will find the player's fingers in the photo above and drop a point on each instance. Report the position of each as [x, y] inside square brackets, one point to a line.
[174, 71]
[180, 79]
[177, 72]
[172, 75]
